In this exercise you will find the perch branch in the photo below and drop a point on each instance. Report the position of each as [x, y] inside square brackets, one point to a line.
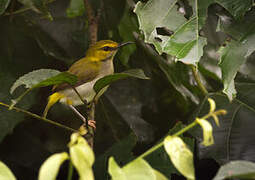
[38, 117]
[93, 29]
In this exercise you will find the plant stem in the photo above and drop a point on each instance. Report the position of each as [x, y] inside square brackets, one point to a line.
[70, 170]
[93, 29]
[161, 143]
[16, 101]
[39, 117]
[198, 80]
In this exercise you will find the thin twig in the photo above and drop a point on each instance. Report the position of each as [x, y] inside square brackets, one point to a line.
[93, 29]
[92, 21]
[198, 80]
[39, 117]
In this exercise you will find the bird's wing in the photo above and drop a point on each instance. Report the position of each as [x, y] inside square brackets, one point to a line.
[85, 70]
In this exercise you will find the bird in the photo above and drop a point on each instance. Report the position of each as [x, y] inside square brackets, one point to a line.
[97, 63]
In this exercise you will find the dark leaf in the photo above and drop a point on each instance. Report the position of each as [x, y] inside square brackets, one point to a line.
[76, 8]
[235, 136]
[3, 5]
[105, 81]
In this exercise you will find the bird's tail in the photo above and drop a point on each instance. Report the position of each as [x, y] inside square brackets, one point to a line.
[52, 100]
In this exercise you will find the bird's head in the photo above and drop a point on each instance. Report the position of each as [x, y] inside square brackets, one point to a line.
[103, 50]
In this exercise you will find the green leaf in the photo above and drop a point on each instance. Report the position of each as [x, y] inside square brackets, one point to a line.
[33, 78]
[5, 172]
[49, 169]
[135, 170]
[115, 171]
[38, 6]
[105, 81]
[235, 136]
[159, 175]
[128, 25]
[180, 155]
[43, 77]
[183, 40]
[82, 157]
[232, 57]
[3, 5]
[207, 132]
[159, 159]
[122, 151]
[237, 51]
[63, 77]
[236, 7]
[236, 169]
[76, 8]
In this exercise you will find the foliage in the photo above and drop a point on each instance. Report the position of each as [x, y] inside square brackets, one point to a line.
[183, 46]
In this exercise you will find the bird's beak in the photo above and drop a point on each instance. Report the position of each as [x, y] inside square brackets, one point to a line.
[124, 44]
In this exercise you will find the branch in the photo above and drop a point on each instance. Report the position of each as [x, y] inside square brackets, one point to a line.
[198, 80]
[93, 29]
[39, 117]
[92, 21]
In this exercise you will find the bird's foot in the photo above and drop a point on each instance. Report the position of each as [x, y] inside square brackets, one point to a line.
[92, 123]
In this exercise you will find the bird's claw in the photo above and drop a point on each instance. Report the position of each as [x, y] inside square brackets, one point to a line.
[92, 123]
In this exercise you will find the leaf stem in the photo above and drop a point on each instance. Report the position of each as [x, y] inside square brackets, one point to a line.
[16, 101]
[161, 143]
[39, 117]
[198, 80]
[70, 171]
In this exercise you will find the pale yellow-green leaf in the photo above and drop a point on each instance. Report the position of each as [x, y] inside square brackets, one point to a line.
[5, 172]
[159, 175]
[216, 119]
[135, 170]
[139, 169]
[115, 171]
[49, 169]
[82, 157]
[180, 155]
[212, 104]
[207, 132]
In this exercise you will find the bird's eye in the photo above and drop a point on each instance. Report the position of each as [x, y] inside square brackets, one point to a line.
[107, 48]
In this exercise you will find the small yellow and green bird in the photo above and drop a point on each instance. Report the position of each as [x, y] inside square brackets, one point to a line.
[97, 63]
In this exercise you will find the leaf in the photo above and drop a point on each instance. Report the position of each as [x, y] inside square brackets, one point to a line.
[43, 77]
[33, 78]
[38, 6]
[207, 132]
[3, 5]
[63, 77]
[159, 159]
[76, 8]
[236, 169]
[49, 169]
[159, 175]
[82, 157]
[183, 40]
[115, 171]
[236, 7]
[128, 25]
[180, 155]
[122, 151]
[5, 172]
[103, 82]
[135, 170]
[235, 136]
[237, 51]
